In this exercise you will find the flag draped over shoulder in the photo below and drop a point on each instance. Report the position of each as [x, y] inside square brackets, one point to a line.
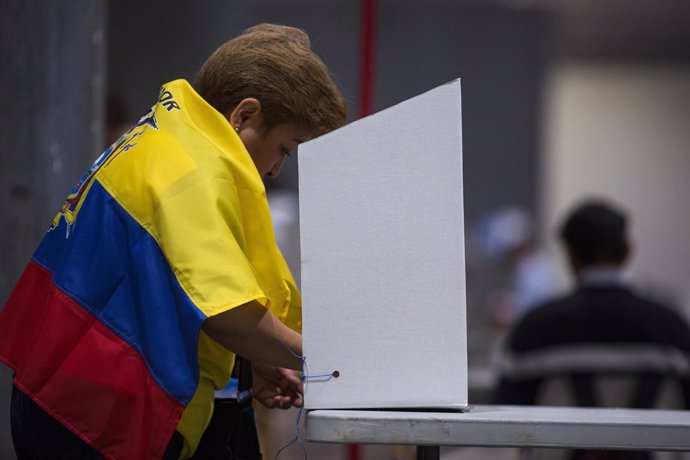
[168, 227]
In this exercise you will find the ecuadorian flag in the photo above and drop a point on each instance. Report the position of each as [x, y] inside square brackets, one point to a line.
[168, 227]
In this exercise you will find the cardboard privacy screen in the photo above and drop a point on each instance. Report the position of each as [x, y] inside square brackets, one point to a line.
[383, 259]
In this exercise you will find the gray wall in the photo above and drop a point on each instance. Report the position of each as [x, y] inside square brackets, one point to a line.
[51, 88]
[499, 52]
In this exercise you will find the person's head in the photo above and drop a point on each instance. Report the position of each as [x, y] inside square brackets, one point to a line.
[274, 91]
[595, 234]
[293, 34]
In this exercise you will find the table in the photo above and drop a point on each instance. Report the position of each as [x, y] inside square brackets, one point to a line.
[505, 426]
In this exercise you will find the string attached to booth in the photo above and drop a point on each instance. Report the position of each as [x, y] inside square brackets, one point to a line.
[306, 377]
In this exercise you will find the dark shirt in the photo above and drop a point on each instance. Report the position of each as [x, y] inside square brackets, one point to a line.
[592, 318]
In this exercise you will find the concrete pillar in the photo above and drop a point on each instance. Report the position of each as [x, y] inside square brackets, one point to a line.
[51, 127]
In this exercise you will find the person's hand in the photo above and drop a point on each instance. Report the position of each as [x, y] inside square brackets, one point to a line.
[276, 386]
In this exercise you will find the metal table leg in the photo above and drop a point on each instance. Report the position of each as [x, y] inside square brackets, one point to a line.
[428, 452]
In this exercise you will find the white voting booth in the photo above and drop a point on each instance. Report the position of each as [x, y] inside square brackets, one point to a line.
[383, 283]
[383, 259]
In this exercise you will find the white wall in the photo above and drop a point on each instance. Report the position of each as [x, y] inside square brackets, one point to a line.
[623, 132]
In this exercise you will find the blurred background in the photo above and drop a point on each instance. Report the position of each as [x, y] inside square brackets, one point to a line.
[562, 100]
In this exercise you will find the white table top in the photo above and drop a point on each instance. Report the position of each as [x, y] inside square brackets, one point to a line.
[503, 426]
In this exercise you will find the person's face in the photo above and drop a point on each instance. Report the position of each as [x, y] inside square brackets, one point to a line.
[268, 149]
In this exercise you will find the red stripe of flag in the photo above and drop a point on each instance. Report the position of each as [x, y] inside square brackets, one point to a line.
[82, 373]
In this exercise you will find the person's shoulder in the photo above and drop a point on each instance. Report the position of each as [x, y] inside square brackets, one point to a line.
[548, 310]
[537, 323]
[657, 309]
[666, 323]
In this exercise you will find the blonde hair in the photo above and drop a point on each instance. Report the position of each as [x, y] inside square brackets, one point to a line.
[273, 64]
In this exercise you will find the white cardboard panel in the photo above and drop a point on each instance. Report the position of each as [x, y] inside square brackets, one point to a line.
[383, 258]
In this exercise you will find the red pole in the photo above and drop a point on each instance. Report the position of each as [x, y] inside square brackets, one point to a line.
[353, 452]
[366, 100]
[366, 57]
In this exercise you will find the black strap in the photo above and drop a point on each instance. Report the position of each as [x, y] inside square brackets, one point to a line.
[231, 434]
[244, 381]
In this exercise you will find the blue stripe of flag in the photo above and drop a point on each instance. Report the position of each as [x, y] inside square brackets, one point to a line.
[113, 268]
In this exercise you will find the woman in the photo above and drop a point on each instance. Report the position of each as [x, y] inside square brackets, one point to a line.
[161, 264]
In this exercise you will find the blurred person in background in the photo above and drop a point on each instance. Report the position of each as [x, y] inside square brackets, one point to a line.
[507, 237]
[116, 119]
[603, 327]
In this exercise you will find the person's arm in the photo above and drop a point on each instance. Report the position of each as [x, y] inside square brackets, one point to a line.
[254, 333]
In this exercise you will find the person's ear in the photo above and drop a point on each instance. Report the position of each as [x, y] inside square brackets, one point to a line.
[246, 113]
